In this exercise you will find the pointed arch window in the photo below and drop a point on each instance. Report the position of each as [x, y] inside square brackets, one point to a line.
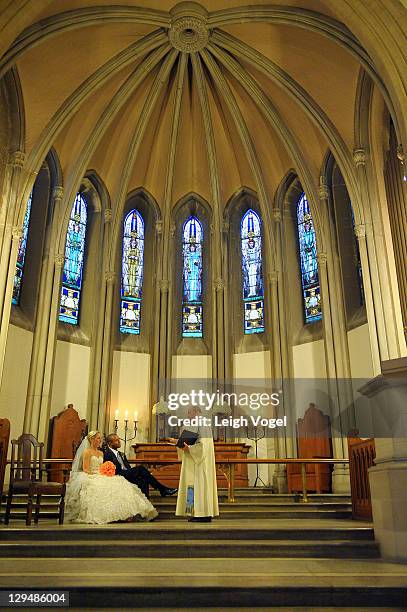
[74, 260]
[252, 273]
[308, 262]
[22, 247]
[192, 310]
[132, 273]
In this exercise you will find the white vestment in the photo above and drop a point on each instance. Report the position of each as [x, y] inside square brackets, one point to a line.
[198, 471]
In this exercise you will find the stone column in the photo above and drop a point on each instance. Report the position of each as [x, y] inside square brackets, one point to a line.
[40, 420]
[340, 477]
[103, 422]
[38, 353]
[8, 294]
[384, 327]
[96, 368]
[7, 219]
[396, 189]
[159, 286]
[388, 477]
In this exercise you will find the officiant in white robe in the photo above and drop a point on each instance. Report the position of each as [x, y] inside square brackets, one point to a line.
[198, 476]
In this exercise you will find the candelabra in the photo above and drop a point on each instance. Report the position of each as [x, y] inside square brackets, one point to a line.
[126, 439]
[255, 438]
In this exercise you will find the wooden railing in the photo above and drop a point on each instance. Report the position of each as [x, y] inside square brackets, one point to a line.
[361, 457]
[228, 468]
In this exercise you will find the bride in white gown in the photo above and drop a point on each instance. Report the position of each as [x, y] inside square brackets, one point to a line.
[92, 497]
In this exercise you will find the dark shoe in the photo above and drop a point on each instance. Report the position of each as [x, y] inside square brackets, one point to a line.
[200, 519]
[166, 492]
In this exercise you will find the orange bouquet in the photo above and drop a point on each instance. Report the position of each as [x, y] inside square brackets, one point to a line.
[107, 469]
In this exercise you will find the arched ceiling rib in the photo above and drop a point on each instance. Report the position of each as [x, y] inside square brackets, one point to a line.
[198, 134]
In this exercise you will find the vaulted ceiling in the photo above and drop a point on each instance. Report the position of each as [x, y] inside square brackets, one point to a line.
[182, 97]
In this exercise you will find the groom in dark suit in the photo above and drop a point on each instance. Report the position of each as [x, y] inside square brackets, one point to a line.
[138, 475]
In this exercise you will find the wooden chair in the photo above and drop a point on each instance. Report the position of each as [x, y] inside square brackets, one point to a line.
[26, 478]
[66, 433]
[313, 442]
[4, 439]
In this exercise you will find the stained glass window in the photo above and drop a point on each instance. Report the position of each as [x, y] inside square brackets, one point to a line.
[73, 266]
[308, 262]
[252, 271]
[192, 310]
[132, 273]
[22, 247]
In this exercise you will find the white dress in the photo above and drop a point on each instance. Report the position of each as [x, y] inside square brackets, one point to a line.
[197, 491]
[97, 499]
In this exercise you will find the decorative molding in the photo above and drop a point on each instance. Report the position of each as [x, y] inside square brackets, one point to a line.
[400, 154]
[188, 32]
[323, 191]
[59, 260]
[226, 227]
[17, 159]
[273, 277]
[360, 230]
[17, 232]
[219, 284]
[110, 277]
[164, 285]
[276, 215]
[159, 228]
[359, 157]
[58, 193]
[107, 214]
[322, 259]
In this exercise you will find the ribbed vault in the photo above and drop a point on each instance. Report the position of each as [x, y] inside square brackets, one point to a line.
[178, 98]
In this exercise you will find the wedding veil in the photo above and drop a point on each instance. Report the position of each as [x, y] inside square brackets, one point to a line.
[77, 462]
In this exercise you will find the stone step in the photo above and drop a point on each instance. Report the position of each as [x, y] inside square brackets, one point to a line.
[142, 548]
[254, 513]
[246, 582]
[176, 530]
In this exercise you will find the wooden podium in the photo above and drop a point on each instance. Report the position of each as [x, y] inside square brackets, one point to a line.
[169, 474]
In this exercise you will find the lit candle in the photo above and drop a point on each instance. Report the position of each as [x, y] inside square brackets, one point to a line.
[136, 416]
[126, 415]
[116, 415]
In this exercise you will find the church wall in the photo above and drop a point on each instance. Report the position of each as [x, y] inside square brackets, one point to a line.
[15, 378]
[309, 360]
[192, 366]
[131, 390]
[71, 377]
[360, 352]
[256, 365]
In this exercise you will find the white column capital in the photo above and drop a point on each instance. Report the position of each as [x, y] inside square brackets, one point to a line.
[360, 157]
[107, 213]
[322, 259]
[360, 230]
[164, 285]
[17, 232]
[159, 227]
[219, 284]
[59, 260]
[276, 215]
[110, 277]
[17, 159]
[58, 193]
[323, 191]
